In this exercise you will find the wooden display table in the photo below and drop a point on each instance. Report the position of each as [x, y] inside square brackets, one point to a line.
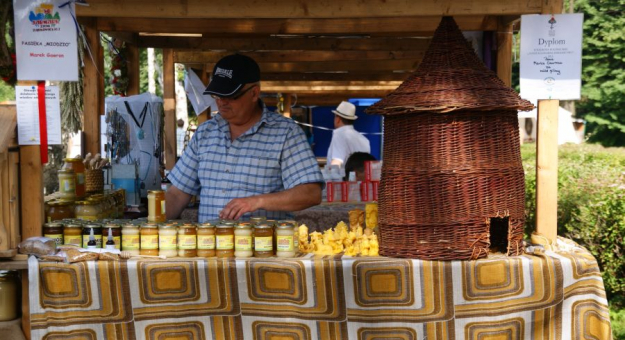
[540, 295]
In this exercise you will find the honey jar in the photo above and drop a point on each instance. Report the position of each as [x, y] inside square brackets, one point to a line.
[263, 240]
[156, 206]
[224, 237]
[149, 239]
[54, 231]
[72, 234]
[187, 240]
[206, 240]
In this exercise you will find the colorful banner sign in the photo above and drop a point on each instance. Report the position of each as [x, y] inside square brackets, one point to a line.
[551, 56]
[45, 40]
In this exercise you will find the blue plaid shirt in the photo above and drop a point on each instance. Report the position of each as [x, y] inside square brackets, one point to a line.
[271, 156]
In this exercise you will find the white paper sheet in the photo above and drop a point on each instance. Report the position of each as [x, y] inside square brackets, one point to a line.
[27, 104]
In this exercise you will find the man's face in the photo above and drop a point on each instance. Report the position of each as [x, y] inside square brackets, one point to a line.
[241, 103]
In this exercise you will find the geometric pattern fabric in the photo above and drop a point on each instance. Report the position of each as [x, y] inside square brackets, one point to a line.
[540, 295]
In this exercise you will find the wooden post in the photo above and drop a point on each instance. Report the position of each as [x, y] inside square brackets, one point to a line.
[169, 106]
[133, 69]
[206, 114]
[504, 52]
[287, 105]
[93, 84]
[31, 191]
[547, 169]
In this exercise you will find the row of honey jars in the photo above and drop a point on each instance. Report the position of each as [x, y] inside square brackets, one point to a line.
[77, 234]
[95, 207]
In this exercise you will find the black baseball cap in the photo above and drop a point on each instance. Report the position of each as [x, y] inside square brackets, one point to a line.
[231, 73]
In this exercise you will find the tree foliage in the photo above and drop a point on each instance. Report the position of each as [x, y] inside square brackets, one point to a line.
[603, 70]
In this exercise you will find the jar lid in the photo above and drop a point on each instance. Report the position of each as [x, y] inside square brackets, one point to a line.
[206, 225]
[72, 159]
[228, 222]
[73, 225]
[52, 225]
[66, 171]
[155, 191]
[64, 202]
[263, 226]
[243, 226]
[149, 226]
[285, 223]
[258, 219]
[112, 225]
[285, 226]
[224, 226]
[94, 226]
[130, 225]
[167, 226]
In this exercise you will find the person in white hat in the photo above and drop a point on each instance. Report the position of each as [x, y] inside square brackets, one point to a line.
[345, 139]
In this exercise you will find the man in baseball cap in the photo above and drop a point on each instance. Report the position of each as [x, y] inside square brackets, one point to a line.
[246, 161]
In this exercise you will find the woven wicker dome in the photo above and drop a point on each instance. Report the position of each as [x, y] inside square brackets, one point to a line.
[451, 77]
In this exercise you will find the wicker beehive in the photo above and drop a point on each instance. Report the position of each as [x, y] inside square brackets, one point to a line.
[452, 183]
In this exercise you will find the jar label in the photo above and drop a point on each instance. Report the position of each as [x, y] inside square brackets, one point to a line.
[263, 243]
[68, 185]
[163, 207]
[225, 242]
[80, 178]
[284, 243]
[73, 239]
[206, 242]
[118, 242]
[58, 238]
[187, 242]
[167, 242]
[130, 242]
[243, 242]
[98, 241]
[149, 242]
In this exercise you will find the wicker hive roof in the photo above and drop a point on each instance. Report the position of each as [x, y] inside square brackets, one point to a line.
[451, 77]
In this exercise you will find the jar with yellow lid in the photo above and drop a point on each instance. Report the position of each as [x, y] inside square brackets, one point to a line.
[67, 184]
[263, 240]
[224, 235]
[59, 210]
[284, 240]
[206, 240]
[72, 234]
[54, 231]
[243, 240]
[156, 206]
[149, 239]
[131, 239]
[187, 240]
[257, 219]
[76, 165]
[295, 232]
[167, 241]
[9, 295]
[87, 210]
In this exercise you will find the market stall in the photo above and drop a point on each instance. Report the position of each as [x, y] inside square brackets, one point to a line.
[556, 294]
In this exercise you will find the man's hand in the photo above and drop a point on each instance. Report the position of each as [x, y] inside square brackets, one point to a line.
[239, 206]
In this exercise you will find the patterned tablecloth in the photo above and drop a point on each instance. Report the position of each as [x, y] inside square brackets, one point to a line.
[541, 295]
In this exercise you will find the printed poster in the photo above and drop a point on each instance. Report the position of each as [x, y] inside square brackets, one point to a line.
[45, 40]
[551, 56]
[27, 105]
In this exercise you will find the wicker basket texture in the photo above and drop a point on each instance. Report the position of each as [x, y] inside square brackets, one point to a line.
[452, 184]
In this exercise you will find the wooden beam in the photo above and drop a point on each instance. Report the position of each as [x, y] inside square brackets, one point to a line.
[169, 106]
[363, 66]
[547, 169]
[300, 56]
[552, 6]
[377, 26]
[290, 43]
[31, 191]
[220, 9]
[381, 76]
[132, 56]
[93, 85]
[326, 99]
[320, 87]
[504, 53]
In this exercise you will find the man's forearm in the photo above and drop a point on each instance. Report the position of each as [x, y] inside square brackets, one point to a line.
[297, 198]
[176, 200]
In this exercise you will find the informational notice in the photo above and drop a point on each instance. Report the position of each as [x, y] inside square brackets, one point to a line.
[45, 40]
[551, 56]
[27, 104]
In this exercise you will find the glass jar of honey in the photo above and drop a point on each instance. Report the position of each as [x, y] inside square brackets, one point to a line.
[156, 206]
[284, 240]
[131, 239]
[9, 295]
[59, 210]
[149, 239]
[87, 210]
[67, 184]
[263, 240]
[76, 165]
[243, 240]
[187, 240]
[116, 230]
[206, 240]
[167, 241]
[54, 231]
[224, 235]
[72, 234]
